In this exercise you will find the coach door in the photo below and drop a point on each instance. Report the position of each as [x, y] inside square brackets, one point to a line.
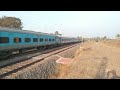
[57, 39]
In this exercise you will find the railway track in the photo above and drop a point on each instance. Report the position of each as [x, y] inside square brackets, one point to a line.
[7, 69]
[27, 55]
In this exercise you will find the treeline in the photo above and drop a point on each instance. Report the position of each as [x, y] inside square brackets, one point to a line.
[96, 38]
[118, 36]
[101, 38]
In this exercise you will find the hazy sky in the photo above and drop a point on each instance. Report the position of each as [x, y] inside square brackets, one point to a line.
[70, 23]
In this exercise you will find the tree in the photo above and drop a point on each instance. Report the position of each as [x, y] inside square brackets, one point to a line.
[57, 33]
[11, 22]
[104, 37]
[118, 35]
[78, 37]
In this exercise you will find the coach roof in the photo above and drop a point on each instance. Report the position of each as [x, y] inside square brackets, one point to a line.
[24, 31]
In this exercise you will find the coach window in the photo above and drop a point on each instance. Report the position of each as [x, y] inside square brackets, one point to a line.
[46, 40]
[41, 39]
[27, 40]
[52, 39]
[49, 39]
[35, 40]
[17, 40]
[4, 40]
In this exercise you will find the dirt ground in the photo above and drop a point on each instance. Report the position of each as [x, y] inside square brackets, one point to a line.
[94, 60]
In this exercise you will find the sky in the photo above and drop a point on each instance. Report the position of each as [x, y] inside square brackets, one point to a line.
[70, 23]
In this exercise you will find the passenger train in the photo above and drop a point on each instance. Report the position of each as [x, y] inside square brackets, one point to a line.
[14, 40]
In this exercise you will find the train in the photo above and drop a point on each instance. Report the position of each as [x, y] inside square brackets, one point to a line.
[16, 40]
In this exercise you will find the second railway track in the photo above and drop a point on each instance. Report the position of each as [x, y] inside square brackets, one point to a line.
[11, 68]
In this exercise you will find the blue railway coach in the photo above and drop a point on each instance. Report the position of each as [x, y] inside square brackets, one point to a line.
[13, 40]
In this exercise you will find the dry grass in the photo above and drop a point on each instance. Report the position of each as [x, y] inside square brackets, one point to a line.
[113, 43]
[94, 60]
